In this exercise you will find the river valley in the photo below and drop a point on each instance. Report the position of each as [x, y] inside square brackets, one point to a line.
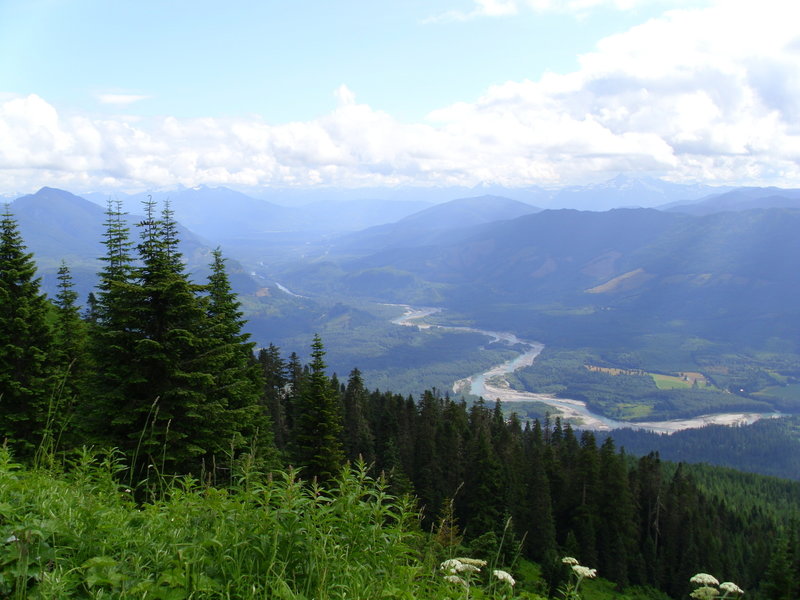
[493, 385]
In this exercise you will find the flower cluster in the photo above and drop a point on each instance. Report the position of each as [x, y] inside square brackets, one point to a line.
[707, 589]
[459, 571]
[582, 572]
[704, 579]
[504, 577]
[462, 565]
[730, 588]
[577, 575]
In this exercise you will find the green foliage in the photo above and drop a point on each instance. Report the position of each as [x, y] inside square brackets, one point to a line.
[26, 344]
[237, 385]
[768, 446]
[317, 445]
[80, 534]
[176, 385]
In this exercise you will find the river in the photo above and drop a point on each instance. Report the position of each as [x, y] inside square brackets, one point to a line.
[493, 385]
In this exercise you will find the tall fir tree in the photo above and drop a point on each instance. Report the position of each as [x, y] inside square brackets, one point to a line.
[114, 327]
[26, 381]
[780, 581]
[70, 354]
[274, 378]
[168, 404]
[357, 438]
[168, 361]
[238, 381]
[317, 443]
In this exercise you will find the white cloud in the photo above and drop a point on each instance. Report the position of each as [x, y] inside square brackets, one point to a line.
[580, 8]
[481, 8]
[120, 99]
[705, 95]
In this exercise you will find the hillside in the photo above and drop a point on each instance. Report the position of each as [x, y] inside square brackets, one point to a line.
[434, 224]
[739, 199]
[701, 273]
[58, 225]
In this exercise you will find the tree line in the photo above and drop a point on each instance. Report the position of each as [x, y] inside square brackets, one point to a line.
[160, 369]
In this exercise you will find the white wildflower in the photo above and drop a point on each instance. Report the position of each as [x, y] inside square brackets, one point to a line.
[704, 579]
[568, 560]
[705, 593]
[582, 571]
[456, 579]
[730, 588]
[453, 565]
[11, 539]
[472, 561]
[468, 569]
[504, 576]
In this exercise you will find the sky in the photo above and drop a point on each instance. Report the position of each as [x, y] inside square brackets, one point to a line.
[133, 96]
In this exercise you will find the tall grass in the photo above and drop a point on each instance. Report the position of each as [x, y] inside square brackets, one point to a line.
[74, 529]
[79, 533]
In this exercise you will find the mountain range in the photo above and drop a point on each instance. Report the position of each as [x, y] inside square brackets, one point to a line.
[715, 269]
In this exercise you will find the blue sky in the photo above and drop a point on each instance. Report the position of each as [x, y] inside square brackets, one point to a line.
[98, 96]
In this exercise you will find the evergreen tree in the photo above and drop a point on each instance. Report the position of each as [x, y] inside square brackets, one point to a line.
[115, 326]
[294, 374]
[168, 403]
[238, 383]
[273, 397]
[317, 441]
[541, 529]
[780, 581]
[616, 538]
[70, 353]
[357, 437]
[26, 382]
[484, 477]
[167, 361]
[428, 469]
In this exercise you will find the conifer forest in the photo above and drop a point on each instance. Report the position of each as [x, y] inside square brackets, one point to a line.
[150, 450]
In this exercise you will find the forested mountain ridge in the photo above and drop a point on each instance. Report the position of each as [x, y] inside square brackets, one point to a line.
[769, 446]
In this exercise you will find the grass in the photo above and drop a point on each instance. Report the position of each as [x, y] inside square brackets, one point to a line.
[681, 381]
[79, 533]
[670, 382]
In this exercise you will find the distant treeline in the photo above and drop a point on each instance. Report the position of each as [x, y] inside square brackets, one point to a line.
[768, 446]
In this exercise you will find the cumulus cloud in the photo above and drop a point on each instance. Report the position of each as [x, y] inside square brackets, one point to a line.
[695, 95]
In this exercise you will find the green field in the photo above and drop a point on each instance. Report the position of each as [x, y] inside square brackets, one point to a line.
[670, 382]
[784, 392]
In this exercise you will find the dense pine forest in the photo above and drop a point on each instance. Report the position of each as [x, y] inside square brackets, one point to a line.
[240, 472]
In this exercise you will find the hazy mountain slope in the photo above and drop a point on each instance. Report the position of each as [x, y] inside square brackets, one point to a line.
[747, 198]
[726, 275]
[625, 191]
[563, 251]
[220, 213]
[429, 226]
[57, 225]
[354, 215]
